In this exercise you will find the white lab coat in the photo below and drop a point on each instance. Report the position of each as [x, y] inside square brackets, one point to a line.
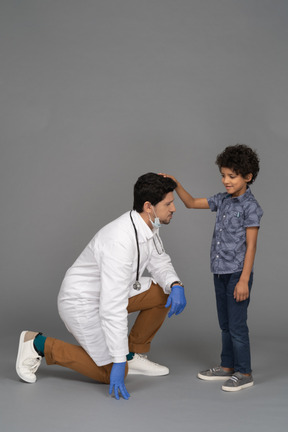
[94, 294]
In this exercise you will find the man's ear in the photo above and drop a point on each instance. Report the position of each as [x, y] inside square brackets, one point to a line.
[147, 207]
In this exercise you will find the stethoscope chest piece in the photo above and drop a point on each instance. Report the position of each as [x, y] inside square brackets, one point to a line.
[137, 286]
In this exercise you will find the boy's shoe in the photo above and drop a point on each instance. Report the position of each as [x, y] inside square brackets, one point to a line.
[215, 374]
[28, 360]
[238, 382]
[140, 365]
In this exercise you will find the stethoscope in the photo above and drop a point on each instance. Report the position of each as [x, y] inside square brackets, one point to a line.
[137, 284]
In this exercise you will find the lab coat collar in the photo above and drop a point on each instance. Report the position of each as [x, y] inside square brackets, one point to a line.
[144, 232]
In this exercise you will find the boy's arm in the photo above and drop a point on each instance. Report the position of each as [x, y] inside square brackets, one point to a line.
[188, 200]
[241, 291]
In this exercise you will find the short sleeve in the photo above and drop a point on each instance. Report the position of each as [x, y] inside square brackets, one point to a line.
[214, 201]
[253, 214]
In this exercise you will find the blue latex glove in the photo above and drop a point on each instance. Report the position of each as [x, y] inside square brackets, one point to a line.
[176, 300]
[117, 376]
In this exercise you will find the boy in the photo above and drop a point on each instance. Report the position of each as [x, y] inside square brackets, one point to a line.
[232, 256]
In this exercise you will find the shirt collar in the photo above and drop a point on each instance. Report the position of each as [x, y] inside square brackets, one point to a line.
[242, 197]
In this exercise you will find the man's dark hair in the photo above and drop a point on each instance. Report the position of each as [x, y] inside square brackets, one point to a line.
[241, 159]
[153, 188]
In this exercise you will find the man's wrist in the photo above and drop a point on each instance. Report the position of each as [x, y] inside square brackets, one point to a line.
[177, 283]
[119, 359]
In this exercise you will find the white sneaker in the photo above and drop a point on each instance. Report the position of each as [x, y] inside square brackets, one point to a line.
[28, 360]
[140, 365]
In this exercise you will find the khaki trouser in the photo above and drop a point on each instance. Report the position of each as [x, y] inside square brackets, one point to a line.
[151, 305]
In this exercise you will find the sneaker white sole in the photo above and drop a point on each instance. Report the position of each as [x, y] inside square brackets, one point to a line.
[234, 389]
[18, 370]
[147, 373]
[213, 378]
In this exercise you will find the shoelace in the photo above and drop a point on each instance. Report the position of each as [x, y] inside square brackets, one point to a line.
[144, 357]
[33, 363]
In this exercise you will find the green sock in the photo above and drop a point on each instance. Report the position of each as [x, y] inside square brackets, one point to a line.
[39, 343]
[130, 356]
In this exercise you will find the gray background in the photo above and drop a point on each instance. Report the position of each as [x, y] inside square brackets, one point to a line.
[94, 94]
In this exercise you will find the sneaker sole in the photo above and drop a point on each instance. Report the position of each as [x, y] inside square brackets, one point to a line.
[213, 378]
[234, 389]
[135, 372]
[21, 342]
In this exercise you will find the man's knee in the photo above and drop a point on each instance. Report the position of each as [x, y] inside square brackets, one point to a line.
[160, 298]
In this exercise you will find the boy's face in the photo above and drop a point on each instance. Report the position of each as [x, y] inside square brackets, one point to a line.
[235, 184]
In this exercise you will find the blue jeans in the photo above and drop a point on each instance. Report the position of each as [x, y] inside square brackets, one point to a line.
[232, 318]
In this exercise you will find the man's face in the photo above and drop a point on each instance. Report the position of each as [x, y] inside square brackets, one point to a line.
[164, 209]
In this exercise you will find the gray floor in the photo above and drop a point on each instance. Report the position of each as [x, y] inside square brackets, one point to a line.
[62, 400]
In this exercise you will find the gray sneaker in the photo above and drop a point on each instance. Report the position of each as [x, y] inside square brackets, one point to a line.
[215, 374]
[238, 382]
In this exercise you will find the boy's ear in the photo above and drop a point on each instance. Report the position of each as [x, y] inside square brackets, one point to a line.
[248, 177]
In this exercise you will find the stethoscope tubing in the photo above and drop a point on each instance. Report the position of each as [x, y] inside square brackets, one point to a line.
[137, 284]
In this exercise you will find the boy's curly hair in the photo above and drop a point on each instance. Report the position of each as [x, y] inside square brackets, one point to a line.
[241, 159]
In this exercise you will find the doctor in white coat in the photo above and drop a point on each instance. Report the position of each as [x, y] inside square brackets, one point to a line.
[104, 285]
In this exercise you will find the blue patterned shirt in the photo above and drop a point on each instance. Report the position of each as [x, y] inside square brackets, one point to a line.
[233, 216]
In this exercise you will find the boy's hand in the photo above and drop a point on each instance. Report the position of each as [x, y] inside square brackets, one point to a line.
[241, 291]
[169, 176]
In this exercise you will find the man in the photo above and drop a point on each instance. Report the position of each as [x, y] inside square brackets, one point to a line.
[104, 285]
